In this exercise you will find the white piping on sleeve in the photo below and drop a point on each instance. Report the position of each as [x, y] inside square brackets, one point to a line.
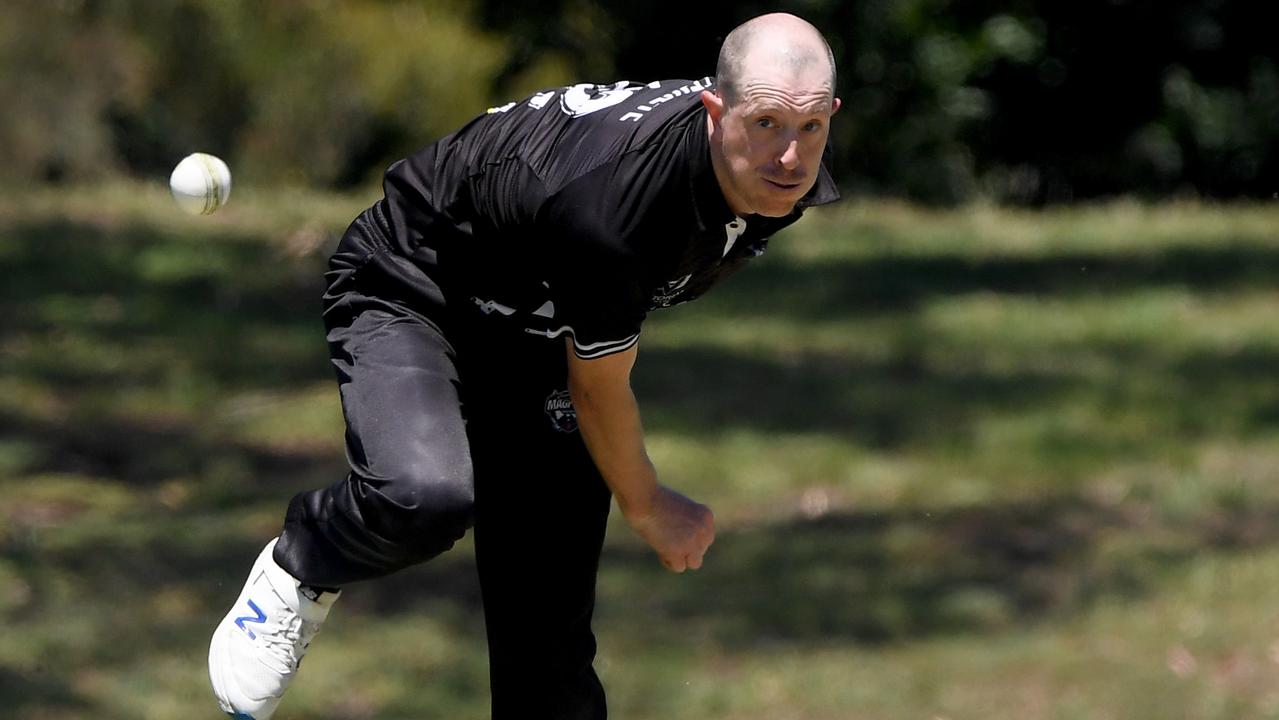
[592, 350]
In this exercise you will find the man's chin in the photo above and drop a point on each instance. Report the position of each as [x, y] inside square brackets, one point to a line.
[775, 201]
[774, 207]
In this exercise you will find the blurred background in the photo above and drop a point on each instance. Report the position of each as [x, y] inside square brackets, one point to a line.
[1027, 102]
[996, 437]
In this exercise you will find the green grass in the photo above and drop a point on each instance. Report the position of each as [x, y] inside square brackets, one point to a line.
[965, 464]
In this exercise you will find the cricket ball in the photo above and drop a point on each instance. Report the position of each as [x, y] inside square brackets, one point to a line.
[201, 183]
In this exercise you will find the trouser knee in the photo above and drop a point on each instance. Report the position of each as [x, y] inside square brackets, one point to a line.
[361, 528]
[420, 513]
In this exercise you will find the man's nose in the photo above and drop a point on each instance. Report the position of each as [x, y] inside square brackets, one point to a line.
[789, 158]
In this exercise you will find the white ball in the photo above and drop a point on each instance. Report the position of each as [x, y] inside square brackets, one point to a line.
[201, 183]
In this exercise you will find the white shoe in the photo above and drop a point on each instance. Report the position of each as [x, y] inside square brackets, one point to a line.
[257, 647]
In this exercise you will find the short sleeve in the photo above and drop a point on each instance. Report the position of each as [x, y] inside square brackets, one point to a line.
[597, 287]
[597, 299]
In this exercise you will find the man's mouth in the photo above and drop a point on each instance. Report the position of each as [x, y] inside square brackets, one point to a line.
[781, 185]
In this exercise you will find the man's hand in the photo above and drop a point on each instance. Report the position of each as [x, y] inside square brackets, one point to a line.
[679, 529]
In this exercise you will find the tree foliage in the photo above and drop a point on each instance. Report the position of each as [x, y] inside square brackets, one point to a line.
[1026, 101]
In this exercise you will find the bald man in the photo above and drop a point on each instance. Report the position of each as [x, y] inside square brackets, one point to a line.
[483, 319]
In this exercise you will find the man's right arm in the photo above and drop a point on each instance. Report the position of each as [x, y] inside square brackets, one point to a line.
[679, 529]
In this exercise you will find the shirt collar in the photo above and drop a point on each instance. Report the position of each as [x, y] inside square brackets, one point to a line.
[824, 190]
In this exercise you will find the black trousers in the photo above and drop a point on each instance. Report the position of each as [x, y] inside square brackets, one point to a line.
[454, 421]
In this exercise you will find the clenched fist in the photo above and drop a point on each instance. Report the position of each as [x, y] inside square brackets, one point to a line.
[679, 529]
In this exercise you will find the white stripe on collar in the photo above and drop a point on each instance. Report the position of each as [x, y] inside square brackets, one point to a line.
[733, 230]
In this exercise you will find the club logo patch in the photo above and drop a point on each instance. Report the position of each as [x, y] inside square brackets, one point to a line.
[559, 408]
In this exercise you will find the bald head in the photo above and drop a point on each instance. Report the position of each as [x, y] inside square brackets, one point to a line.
[769, 43]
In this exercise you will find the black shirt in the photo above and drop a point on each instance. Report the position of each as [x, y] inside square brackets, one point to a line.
[577, 211]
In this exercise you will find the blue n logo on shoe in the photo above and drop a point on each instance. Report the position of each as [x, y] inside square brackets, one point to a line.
[260, 617]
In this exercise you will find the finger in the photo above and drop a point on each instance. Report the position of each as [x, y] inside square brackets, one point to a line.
[674, 565]
[694, 562]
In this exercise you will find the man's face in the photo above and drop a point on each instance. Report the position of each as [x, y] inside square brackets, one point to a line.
[769, 142]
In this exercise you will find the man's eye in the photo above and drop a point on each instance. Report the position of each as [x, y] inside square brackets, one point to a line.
[765, 123]
[812, 125]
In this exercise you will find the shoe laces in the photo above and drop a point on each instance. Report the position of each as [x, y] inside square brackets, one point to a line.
[290, 641]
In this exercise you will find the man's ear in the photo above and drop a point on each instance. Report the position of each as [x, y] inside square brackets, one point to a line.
[714, 105]
[834, 106]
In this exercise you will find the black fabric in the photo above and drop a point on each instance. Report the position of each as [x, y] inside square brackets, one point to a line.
[541, 511]
[577, 210]
[446, 432]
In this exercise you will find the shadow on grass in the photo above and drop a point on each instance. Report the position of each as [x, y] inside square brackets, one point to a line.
[882, 404]
[147, 454]
[854, 577]
[904, 402]
[892, 284]
[133, 306]
[848, 577]
[882, 578]
[39, 693]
